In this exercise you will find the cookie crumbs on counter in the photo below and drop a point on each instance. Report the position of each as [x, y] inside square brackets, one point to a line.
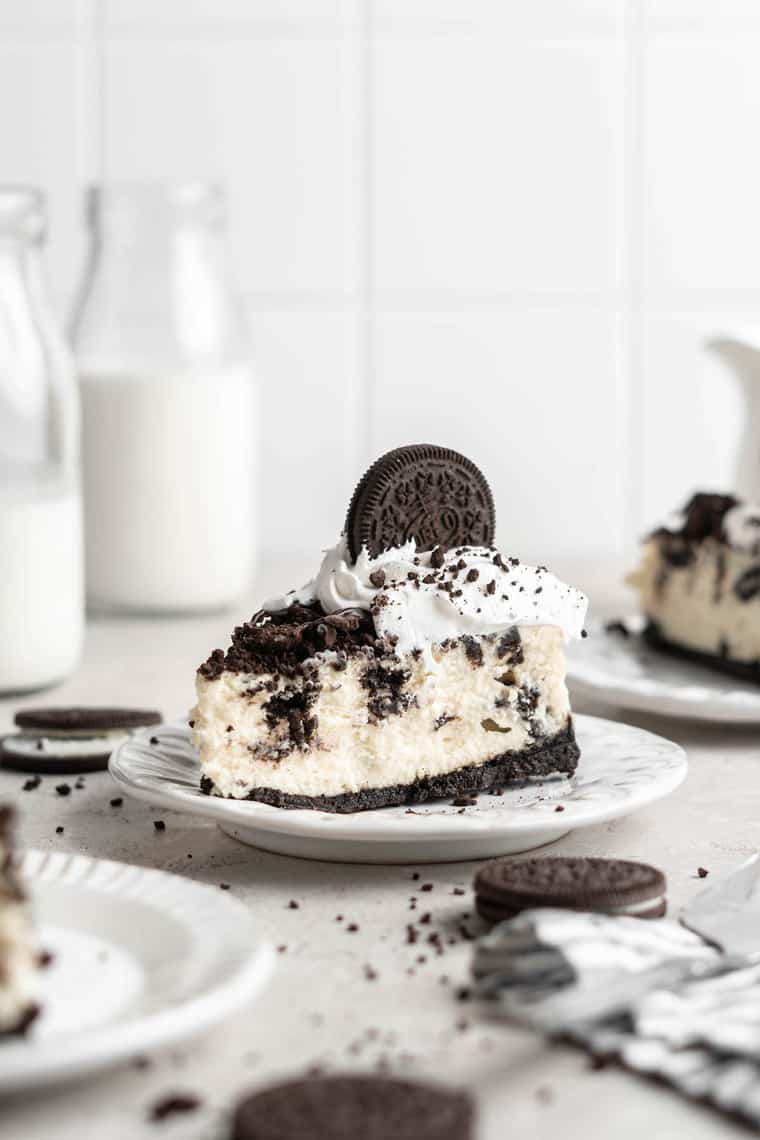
[173, 1104]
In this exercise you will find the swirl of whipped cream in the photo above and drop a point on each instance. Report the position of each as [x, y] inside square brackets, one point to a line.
[741, 525]
[472, 590]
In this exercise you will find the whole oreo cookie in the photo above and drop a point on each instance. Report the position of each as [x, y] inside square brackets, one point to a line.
[609, 886]
[58, 741]
[425, 492]
[347, 1107]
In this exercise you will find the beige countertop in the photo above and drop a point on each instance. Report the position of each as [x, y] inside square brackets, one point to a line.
[320, 1008]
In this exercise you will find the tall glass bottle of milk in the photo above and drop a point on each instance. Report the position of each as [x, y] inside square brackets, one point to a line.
[168, 401]
[41, 579]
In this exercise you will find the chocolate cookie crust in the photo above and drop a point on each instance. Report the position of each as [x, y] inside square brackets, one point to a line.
[347, 1107]
[429, 493]
[557, 755]
[745, 670]
[503, 888]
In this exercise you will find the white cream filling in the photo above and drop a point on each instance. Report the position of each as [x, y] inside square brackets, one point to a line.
[350, 752]
[29, 746]
[422, 614]
[636, 908]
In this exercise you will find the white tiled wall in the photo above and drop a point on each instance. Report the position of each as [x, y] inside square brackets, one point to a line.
[504, 225]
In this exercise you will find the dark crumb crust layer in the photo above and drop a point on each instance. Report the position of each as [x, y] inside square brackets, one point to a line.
[745, 670]
[555, 755]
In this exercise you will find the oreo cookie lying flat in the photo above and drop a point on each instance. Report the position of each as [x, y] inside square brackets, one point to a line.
[425, 492]
[608, 886]
[347, 1107]
[69, 740]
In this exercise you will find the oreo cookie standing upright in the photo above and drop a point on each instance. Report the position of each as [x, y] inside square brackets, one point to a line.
[429, 493]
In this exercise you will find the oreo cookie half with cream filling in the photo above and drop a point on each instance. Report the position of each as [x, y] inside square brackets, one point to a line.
[699, 585]
[503, 888]
[62, 741]
[433, 667]
[19, 955]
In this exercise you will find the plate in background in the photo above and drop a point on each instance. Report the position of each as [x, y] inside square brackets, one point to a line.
[621, 769]
[628, 673]
[141, 959]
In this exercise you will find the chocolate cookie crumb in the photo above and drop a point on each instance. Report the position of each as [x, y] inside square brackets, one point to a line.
[174, 1104]
[117, 801]
[702, 872]
[159, 825]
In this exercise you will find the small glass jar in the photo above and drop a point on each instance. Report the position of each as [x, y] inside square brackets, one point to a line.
[168, 398]
[41, 566]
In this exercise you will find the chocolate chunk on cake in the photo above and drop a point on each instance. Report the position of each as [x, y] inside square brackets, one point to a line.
[426, 665]
[699, 584]
[19, 957]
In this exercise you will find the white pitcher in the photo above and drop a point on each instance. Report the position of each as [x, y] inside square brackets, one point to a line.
[741, 353]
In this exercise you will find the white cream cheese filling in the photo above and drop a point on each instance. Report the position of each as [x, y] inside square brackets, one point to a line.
[461, 715]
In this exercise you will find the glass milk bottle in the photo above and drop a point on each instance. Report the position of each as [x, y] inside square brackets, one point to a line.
[41, 573]
[168, 401]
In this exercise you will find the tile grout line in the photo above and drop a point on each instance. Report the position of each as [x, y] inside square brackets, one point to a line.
[90, 91]
[633, 270]
[365, 236]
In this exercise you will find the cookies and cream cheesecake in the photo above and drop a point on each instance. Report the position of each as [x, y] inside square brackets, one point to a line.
[19, 958]
[699, 584]
[419, 662]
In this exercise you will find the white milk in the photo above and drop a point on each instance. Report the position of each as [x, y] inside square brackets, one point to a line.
[41, 587]
[169, 484]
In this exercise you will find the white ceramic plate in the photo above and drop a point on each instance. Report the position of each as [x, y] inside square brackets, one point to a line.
[621, 769]
[141, 959]
[628, 673]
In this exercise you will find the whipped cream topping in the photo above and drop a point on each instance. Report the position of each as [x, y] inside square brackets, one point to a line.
[741, 525]
[424, 598]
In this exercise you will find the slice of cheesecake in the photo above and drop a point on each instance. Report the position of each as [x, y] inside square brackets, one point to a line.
[393, 679]
[699, 584]
[19, 958]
